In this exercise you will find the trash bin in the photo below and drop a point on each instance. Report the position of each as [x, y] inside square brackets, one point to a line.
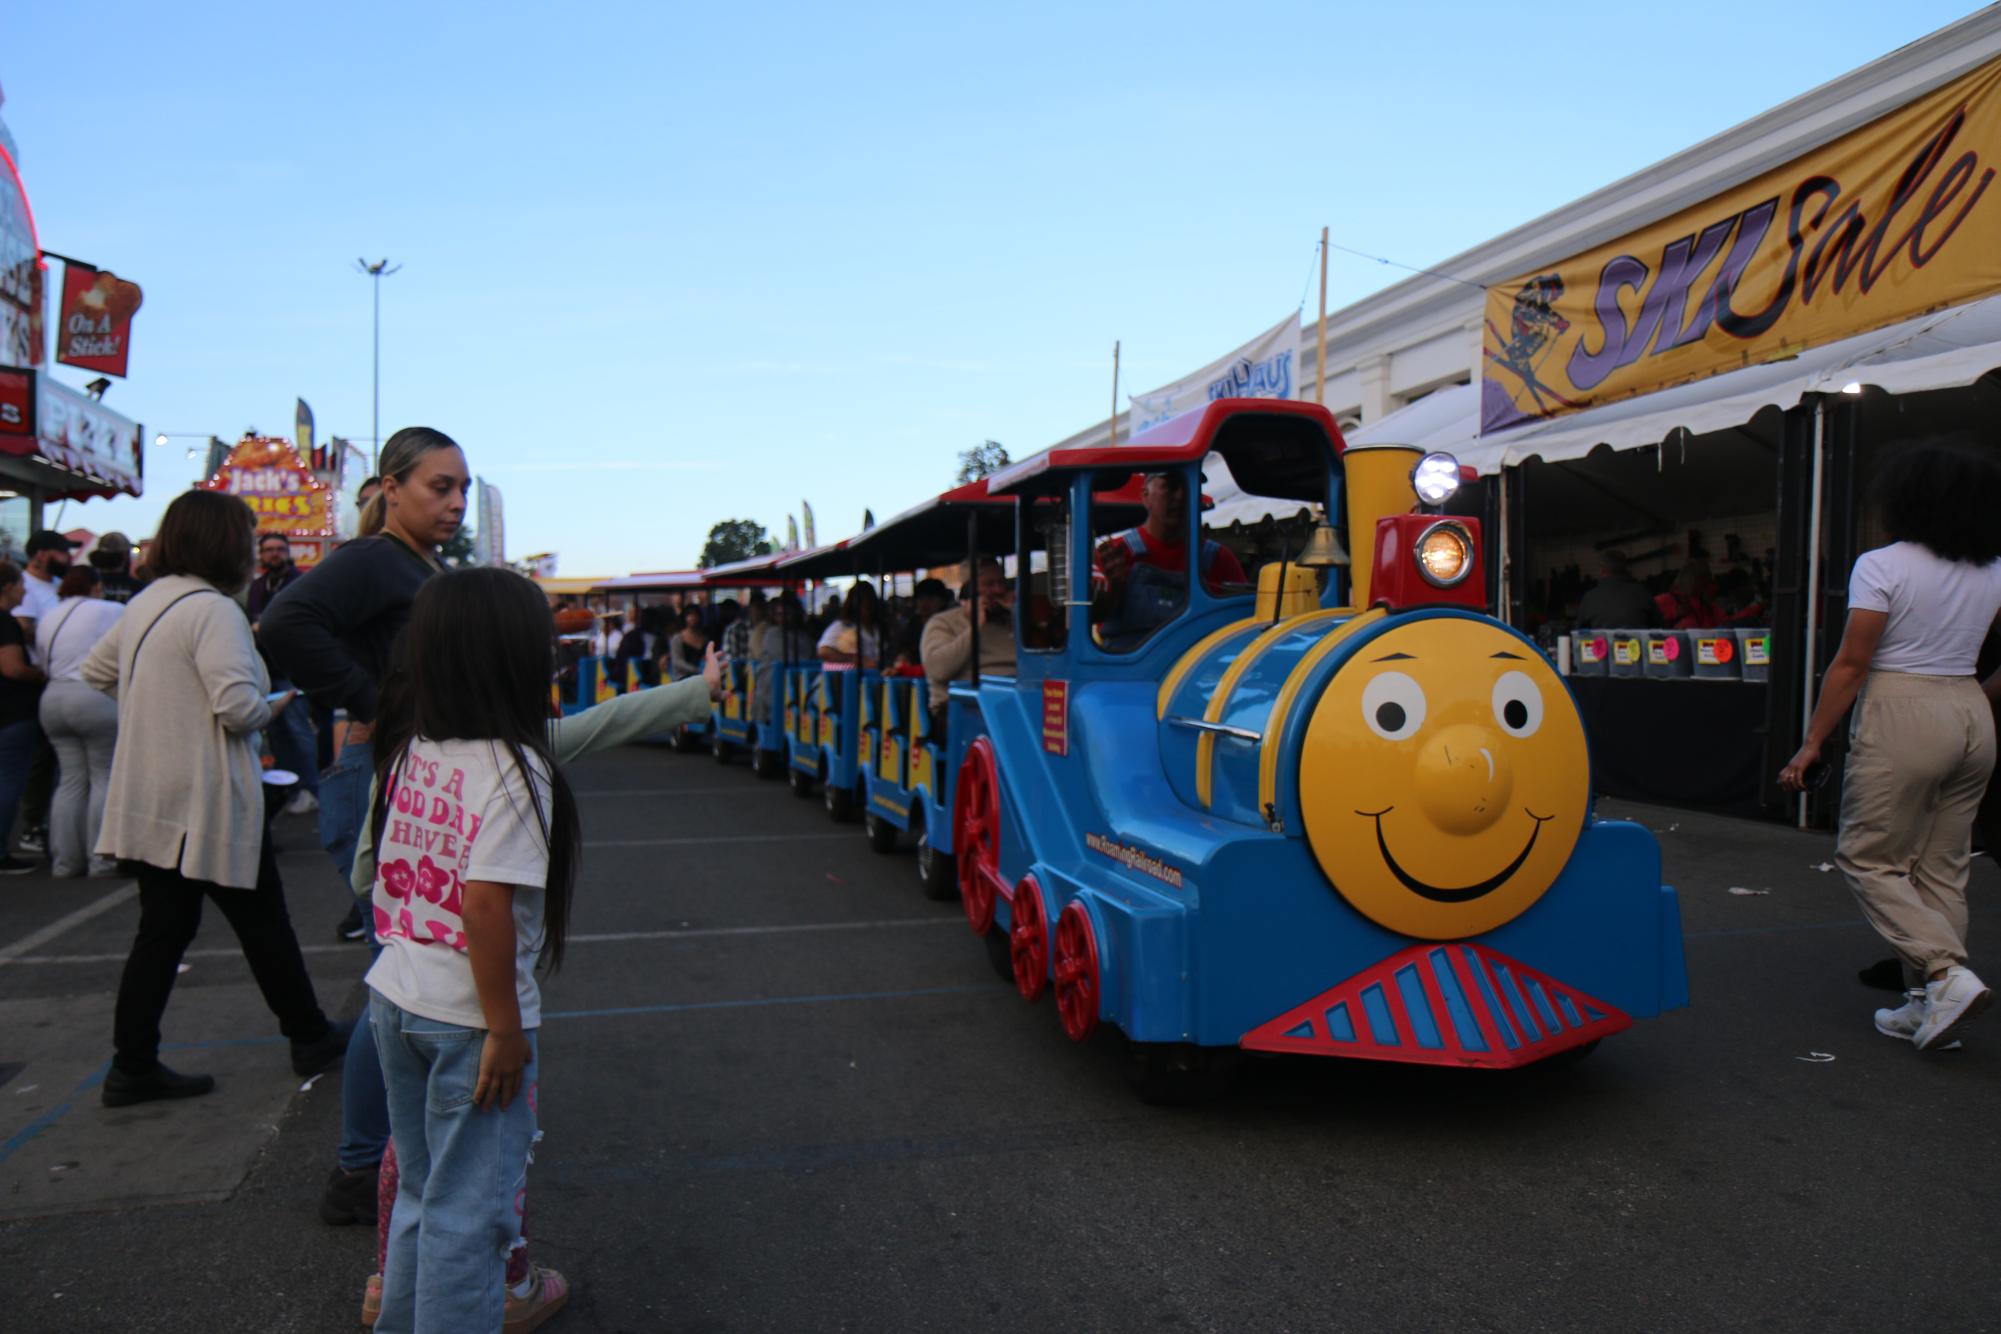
[1754, 652]
[1716, 656]
[1668, 656]
[1628, 653]
[1590, 653]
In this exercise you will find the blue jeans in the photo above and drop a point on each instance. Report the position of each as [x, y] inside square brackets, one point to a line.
[293, 745]
[364, 1105]
[463, 1172]
[18, 743]
[344, 804]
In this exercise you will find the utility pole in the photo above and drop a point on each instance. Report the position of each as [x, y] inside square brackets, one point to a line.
[377, 271]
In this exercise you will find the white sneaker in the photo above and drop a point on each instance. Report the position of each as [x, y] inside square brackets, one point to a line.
[1904, 1022]
[302, 803]
[1950, 1003]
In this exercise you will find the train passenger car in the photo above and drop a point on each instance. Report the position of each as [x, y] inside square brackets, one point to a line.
[822, 701]
[1341, 811]
[641, 590]
[903, 777]
[749, 716]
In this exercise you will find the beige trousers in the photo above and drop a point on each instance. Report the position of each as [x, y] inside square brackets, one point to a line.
[1921, 749]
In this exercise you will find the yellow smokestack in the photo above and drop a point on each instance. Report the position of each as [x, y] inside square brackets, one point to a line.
[1378, 485]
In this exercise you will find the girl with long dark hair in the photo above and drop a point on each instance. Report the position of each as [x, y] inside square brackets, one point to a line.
[1921, 746]
[477, 843]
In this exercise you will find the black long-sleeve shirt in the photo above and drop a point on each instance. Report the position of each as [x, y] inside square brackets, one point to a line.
[331, 631]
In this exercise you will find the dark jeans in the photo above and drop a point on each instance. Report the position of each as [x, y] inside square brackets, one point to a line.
[17, 754]
[292, 743]
[170, 906]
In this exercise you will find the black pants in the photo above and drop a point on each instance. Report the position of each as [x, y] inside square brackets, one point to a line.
[169, 914]
[41, 789]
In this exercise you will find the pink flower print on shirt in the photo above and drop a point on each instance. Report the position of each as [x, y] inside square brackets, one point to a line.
[383, 923]
[455, 901]
[398, 878]
[431, 880]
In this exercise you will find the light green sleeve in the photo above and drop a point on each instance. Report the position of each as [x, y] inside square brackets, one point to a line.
[616, 722]
[631, 716]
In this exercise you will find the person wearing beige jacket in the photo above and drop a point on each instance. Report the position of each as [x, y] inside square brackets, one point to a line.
[185, 811]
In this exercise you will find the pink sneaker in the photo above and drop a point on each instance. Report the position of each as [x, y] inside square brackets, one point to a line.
[551, 1290]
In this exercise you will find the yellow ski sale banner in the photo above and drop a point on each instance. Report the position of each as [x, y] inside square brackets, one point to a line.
[1892, 220]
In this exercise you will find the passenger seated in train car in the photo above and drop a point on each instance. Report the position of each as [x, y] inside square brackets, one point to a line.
[686, 650]
[1140, 576]
[855, 633]
[767, 642]
[947, 650]
[642, 645]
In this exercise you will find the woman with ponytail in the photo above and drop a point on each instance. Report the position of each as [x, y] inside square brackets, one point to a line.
[332, 632]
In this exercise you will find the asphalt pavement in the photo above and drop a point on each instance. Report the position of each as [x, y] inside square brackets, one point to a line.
[782, 1091]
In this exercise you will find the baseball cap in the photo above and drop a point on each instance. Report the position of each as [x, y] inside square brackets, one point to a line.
[49, 540]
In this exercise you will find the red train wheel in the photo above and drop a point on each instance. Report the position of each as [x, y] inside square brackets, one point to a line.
[1076, 972]
[976, 830]
[1028, 939]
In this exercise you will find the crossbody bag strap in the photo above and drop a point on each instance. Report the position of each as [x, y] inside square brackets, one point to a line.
[55, 635]
[132, 663]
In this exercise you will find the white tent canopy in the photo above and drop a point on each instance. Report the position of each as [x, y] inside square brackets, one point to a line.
[1943, 350]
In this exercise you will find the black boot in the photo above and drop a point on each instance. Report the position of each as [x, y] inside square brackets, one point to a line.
[349, 1197]
[309, 1058]
[123, 1090]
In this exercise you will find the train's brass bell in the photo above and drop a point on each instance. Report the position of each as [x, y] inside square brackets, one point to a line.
[1323, 549]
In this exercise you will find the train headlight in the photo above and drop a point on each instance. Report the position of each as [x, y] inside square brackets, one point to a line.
[1444, 553]
[1435, 478]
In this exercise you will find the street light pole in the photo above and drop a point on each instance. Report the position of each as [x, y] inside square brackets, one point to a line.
[377, 271]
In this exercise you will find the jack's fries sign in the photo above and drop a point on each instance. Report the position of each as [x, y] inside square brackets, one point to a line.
[1892, 220]
[266, 473]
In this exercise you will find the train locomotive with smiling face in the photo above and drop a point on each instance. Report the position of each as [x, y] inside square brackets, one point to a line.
[1337, 811]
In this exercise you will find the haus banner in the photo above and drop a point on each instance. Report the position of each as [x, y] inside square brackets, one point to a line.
[1265, 367]
[1891, 221]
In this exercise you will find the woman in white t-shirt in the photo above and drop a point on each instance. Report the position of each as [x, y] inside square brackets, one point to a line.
[853, 635]
[81, 723]
[477, 844]
[1921, 746]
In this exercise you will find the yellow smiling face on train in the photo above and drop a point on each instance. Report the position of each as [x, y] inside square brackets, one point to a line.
[1444, 778]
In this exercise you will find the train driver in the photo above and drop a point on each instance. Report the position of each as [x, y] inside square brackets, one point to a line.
[947, 646]
[1140, 576]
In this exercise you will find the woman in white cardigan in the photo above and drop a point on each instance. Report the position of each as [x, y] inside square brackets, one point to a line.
[185, 812]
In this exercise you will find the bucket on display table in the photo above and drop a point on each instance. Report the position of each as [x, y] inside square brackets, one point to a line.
[1591, 652]
[1629, 652]
[1754, 652]
[1717, 656]
[1668, 654]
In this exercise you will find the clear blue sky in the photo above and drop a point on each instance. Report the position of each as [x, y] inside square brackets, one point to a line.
[669, 264]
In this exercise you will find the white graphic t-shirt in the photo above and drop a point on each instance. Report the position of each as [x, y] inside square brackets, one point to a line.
[458, 811]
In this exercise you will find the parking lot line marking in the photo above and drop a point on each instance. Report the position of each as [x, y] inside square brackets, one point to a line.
[761, 1001]
[56, 1113]
[36, 939]
[730, 792]
[704, 839]
[585, 938]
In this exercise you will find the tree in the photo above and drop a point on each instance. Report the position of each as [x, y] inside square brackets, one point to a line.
[458, 551]
[987, 457]
[735, 539]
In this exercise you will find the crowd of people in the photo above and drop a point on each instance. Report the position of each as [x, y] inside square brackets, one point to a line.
[410, 700]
